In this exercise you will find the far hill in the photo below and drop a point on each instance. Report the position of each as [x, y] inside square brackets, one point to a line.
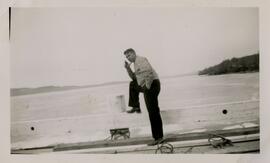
[46, 89]
[235, 65]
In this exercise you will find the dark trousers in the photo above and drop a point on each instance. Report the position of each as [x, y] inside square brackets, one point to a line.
[151, 101]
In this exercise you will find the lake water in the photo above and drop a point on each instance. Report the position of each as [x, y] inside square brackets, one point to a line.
[176, 93]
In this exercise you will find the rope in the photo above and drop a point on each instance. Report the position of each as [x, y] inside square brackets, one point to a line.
[164, 147]
[220, 142]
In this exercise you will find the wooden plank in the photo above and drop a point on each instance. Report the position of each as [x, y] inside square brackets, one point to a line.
[144, 147]
[242, 147]
[145, 140]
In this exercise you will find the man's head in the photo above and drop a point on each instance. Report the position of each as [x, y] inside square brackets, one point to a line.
[130, 54]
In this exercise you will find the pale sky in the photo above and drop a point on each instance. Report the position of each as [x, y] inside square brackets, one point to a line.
[84, 46]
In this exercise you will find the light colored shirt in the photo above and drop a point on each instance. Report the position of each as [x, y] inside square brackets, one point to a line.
[145, 74]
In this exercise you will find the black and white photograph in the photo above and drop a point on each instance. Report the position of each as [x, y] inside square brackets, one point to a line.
[134, 80]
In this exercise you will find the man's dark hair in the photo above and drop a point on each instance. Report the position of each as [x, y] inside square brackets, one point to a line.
[129, 50]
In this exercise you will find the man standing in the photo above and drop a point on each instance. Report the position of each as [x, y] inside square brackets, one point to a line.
[145, 80]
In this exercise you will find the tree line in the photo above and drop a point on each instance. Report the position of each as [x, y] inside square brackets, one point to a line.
[235, 65]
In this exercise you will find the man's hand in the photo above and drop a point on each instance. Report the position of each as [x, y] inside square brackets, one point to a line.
[147, 85]
[130, 73]
[127, 65]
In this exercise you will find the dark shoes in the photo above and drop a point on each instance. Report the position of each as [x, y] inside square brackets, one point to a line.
[138, 110]
[156, 142]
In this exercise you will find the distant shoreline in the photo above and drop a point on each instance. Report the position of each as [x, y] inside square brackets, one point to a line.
[47, 89]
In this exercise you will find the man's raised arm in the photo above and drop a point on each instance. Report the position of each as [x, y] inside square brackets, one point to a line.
[130, 73]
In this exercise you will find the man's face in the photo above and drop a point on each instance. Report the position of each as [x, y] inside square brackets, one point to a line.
[131, 56]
